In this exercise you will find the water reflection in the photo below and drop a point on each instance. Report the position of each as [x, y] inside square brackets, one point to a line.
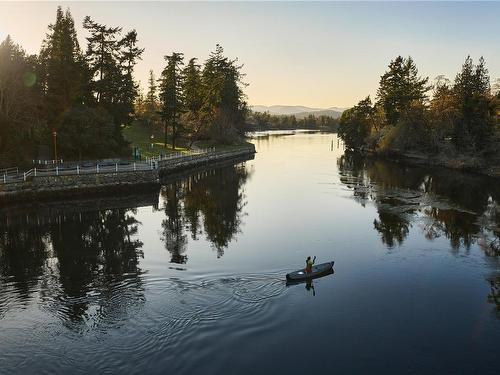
[95, 253]
[308, 283]
[79, 266]
[80, 260]
[310, 287]
[209, 203]
[494, 295]
[173, 225]
[23, 251]
[459, 206]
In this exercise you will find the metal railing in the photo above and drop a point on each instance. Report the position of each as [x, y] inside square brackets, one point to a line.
[179, 155]
[12, 175]
[77, 170]
[47, 162]
[51, 168]
[8, 172]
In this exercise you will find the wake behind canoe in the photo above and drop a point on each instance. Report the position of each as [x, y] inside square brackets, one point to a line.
[317, 271]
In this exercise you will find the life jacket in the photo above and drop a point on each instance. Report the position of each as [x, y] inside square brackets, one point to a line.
[309, 264]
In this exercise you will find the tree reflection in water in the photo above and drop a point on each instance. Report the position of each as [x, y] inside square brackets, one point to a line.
[392, 227]
[209, 202]
[76, 263]
[96, 252]
[462, 207]
[459, 206]
[494, 295]
[23, 251]
[173, 226]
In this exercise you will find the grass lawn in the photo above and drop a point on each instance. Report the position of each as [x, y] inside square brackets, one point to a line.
[218, 146]
[140, 136]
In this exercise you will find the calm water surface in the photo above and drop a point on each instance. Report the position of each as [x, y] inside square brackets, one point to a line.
[190, 279]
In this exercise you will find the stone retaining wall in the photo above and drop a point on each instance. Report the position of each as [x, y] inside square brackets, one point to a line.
[168, 166]
[41, 186]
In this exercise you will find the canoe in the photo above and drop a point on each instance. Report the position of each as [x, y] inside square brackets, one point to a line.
[317, 271]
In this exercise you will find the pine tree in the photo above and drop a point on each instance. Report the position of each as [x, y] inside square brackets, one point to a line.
[472, 91]
[64, 68]
[224, 105]
[111, 61]
[171, 97]
[151, 105]
[20, 103]
[193, 97]
[399, 86]
[101, 56]
[129, 54]
[151, 96]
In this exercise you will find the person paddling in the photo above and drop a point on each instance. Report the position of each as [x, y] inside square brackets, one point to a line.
[309, 264]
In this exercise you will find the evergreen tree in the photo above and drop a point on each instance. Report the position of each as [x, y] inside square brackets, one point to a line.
[64, 68]
[193, 97]
[399, 86]
[224, 103]
[151, 96]
[139, 104]
[472, 91]
[111, 63]
[101, 55]
[128, 90]
[148, 112]
[171, 96]
[20, 103]
[356, 123]
[88, 133]
[471, 80]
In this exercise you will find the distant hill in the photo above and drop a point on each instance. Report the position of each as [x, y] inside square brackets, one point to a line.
[321, 112]
[298, 110]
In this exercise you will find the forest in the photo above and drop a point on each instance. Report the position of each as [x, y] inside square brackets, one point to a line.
[73, 103]
[266, 121]
[456, 119]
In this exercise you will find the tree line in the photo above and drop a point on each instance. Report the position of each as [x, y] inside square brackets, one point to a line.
[80, 99]
[266, 121]
[410, 114]
[194, 102]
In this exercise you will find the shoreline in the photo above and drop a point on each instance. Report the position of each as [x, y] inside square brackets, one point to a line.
[465, 164]
[97, 184]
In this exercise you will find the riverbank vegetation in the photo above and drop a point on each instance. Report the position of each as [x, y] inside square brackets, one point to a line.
[74, 103]
[457, 122]
[266, 121]
[192, 103]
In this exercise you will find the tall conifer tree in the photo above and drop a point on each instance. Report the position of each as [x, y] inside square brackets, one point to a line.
[171, 97]
[224, 104]
[64, 66]
[193, 97]
[399, 86]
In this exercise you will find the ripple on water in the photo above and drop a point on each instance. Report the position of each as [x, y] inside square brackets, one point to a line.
[112, 314]
[181, 313]
[95, 306]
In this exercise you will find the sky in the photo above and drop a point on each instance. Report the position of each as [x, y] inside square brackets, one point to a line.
[317, 54]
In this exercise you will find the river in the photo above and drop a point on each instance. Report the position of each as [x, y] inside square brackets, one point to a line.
[191, 279]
